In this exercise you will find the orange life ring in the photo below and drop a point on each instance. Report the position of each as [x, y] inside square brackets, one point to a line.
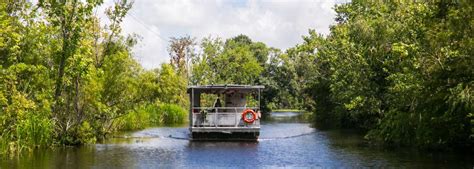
[249, 120]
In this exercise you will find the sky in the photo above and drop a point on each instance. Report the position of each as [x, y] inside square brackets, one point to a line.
[277, 23]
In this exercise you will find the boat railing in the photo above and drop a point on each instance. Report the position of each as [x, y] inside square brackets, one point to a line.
[221, 117]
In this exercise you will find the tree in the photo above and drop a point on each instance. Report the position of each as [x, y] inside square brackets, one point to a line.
[55, 88]
[400, 71]
[172, 86]
[181, 51]
[220, 61]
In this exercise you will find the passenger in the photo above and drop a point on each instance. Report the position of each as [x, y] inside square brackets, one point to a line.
[218, 103]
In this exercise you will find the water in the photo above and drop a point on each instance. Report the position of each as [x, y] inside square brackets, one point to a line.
[286, 141]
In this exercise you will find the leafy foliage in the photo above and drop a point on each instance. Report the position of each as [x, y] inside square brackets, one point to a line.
[65, 79]
[220, 61]
[402, 71]
[152, 115]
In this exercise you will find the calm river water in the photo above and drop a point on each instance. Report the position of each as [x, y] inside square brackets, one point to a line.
[285, 141]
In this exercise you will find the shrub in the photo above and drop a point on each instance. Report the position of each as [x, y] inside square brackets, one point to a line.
[172, 113]
[152, 115]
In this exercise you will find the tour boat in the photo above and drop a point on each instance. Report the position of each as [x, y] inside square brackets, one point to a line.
[225, 112]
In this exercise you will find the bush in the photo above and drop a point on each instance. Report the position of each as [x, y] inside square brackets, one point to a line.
[172, 114]
[152, 115]
[34, 131]
[86, 134]
[137, 119]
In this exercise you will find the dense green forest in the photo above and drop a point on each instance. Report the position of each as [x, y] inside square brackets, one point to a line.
[402, 72]
[67, 79]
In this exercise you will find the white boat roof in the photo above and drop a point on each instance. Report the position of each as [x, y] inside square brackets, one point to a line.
[213, 88]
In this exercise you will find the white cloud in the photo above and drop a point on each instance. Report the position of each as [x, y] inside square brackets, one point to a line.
[278, 23]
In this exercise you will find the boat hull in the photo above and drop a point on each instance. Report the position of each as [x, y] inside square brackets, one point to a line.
[224, 134]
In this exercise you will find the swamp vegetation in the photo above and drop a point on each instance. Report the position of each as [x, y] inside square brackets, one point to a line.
[400, 72]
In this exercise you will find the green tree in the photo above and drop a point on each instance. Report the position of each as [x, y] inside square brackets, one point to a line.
[64, 79]
[220, 61]
[172, 86]
[401, 71]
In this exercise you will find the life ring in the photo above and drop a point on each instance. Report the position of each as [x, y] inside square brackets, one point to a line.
[245, 117]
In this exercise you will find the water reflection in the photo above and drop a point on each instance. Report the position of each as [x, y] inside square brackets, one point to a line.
[286, 117]
[286, 140]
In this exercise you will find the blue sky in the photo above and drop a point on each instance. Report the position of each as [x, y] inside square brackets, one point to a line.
[278, 23]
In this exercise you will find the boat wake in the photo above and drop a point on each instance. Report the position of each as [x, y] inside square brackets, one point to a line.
[260, 139]
[178, 138]
[285, 137]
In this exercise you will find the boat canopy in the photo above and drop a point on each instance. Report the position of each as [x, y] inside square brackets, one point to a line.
[224, 88]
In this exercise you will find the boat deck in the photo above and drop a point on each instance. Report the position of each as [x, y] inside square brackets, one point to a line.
[226, 121]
